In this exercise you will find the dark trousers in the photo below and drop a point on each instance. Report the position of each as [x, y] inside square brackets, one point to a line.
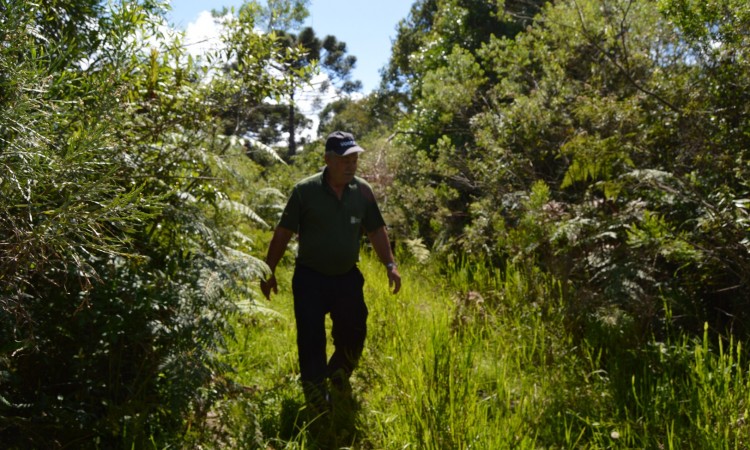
[341, 296]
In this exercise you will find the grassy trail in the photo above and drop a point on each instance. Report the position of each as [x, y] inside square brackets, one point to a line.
[448, 368]
[428, 379]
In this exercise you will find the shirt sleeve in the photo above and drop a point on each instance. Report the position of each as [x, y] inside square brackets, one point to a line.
[373, 218]
[291, 216]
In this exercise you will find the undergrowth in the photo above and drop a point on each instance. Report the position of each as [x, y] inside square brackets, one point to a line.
[470, 357]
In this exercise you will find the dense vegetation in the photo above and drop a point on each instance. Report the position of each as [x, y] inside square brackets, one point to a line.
[606, 144]
[124, 222]
[567, 184]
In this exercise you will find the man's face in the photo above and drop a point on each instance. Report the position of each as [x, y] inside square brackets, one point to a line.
[341, 168]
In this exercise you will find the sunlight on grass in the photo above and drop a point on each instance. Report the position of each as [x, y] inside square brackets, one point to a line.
[481, 359]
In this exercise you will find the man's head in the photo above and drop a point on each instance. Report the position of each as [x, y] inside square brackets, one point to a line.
[342, 144]
[341, 157]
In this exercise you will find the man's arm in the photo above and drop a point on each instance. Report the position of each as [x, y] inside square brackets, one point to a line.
[276, 249]
[382, 246]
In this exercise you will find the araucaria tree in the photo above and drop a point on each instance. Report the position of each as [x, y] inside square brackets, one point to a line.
[267, 120]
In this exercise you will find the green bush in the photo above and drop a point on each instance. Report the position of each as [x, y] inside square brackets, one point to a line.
[595, 144]
[125, 225]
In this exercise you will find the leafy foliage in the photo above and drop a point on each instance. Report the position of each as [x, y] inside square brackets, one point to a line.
[595, 148]
[125, 228]
[601, 143]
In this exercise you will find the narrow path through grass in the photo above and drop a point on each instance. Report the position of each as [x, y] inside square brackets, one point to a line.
[448, 366]
[428, 378]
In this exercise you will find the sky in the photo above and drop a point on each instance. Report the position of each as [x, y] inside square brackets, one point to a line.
[367, 27]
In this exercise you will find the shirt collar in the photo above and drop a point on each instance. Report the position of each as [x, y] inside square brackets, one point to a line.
[324, 183]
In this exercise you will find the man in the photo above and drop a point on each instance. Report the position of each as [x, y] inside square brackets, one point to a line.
[328, 211]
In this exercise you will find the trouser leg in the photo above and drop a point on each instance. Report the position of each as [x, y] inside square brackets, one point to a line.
[349, 319]
[310, 311]
[342, 296]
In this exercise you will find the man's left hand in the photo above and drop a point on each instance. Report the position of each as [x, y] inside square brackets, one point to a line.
[394, 280]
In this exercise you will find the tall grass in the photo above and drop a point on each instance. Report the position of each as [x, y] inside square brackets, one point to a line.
[455, 370]
[479, 358]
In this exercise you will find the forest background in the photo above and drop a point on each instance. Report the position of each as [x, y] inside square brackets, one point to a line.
[566, 184]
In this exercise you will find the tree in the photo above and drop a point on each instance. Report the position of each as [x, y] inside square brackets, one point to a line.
[437, 74]
[330, 55]
[300, 56]
[600, 144]
[255, 75]
[360, 117]
[283, 14]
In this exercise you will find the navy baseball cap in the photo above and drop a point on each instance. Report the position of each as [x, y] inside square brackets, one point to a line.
[342, 144]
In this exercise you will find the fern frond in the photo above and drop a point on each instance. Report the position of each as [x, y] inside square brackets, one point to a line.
[272, 192]
[208, 236]
[231, 205]
[221, 164]
[253, 307]
[211, 284]
[247, 266]
[418, 249]
[245, 239]
[265, 149]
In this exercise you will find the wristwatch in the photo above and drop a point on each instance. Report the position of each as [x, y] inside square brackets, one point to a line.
[390, 266]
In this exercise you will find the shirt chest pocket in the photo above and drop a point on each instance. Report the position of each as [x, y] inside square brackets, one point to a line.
[354, 214]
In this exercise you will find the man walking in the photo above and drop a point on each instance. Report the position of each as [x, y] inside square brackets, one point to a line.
[329, 212]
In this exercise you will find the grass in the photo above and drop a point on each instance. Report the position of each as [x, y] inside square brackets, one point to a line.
[481, 359]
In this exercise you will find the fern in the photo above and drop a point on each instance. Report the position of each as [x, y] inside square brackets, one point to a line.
[417, 249]
[248, 266]
[253, 307]
[257, 145]
[245, 210]
[595, 159]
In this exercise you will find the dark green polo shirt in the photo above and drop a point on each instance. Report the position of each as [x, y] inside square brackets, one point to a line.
[330, 229]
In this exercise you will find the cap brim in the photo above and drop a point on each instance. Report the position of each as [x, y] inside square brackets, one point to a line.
[351, 150]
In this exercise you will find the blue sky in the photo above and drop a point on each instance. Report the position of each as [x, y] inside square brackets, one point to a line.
[367, 27]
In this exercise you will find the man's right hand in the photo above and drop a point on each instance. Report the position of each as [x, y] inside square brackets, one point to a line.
[276, 248]
[266, 286]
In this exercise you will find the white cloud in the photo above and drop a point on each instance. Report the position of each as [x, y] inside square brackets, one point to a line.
[203, 35]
